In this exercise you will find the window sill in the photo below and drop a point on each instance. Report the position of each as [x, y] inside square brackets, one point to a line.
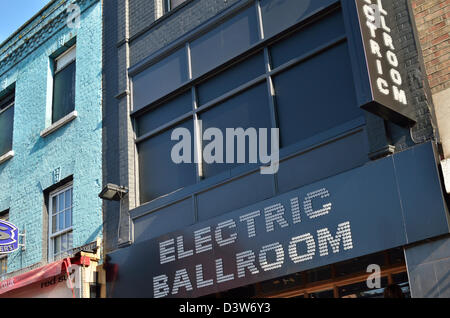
[60, 123]
[6, 156]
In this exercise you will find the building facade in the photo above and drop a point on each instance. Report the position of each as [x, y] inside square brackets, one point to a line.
[357, 186]
[51, 148]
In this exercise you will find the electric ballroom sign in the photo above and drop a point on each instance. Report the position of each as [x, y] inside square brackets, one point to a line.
[237, 242]
[9, 237]
[389, 99]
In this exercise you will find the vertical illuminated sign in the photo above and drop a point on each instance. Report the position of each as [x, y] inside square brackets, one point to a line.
[389, 98]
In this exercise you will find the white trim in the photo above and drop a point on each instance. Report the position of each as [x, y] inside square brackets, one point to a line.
[445, 166]
[67, 230]
[66, 58]
[51, 235]
[6, 156]
[63, 121]
[159, 9]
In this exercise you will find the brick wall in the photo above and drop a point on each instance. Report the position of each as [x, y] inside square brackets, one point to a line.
[73, 150]
[432, 21]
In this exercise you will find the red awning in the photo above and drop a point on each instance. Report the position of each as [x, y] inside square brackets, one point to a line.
[33, 276]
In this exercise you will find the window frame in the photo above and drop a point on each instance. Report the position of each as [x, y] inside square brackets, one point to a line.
[52, 236]
[264, 44]
[167, 6]
[10, 104]
[60, 63]
[70, 54]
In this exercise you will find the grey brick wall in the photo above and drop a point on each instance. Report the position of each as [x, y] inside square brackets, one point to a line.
[413, 73]
[110, 119]
[169, 28]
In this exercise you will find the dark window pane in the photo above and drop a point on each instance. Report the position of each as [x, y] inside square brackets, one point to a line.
[64, 243]
[315, 96]
[70, 240]
[160, 79]
[6, 130]
[61, 202]
[64, 92]
[278, 15]
[397, 256]
[402, 281]
[359, 265]
[361, 290]
[250, 109]
[319, 274]
[68, 199]
[61, 225]
[54, 224]
[6, 100]
[322, 294]
[308, 38]
[164, 113]
[57, 245]
[158, 174]
[231, 78]
[68, 216]
[54, 204]
[224, 42]
[279, 285]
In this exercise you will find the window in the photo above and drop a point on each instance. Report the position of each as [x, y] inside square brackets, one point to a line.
[6, 123]
[224, 42]
[155, 163]
[237, 82]
[64, 85]
[163, 77]
[304, 95]
[4, 258]
[60, 222]
[249, 109]
[172, 4]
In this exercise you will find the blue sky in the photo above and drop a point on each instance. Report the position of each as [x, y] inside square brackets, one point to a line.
[14, 13]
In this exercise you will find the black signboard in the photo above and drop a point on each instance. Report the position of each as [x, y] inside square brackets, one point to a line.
[388, 94]
[88, 248]
[360, 212]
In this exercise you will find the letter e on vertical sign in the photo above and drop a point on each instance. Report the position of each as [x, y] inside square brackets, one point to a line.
[389, 96]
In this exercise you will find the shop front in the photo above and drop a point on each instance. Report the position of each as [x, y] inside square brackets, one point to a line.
[75, 276]
[319, 240]
[361, 277]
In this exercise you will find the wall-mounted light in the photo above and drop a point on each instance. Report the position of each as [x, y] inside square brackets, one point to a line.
[113, 192]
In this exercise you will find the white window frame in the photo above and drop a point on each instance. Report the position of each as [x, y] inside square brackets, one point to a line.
[8, 155]
[65, 59]
[52, 236]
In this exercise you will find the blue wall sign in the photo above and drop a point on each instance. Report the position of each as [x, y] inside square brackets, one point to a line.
[9, 237]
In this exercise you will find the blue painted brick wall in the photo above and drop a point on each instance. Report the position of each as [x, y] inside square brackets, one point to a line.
[75, 149]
